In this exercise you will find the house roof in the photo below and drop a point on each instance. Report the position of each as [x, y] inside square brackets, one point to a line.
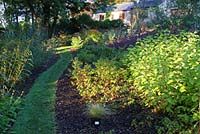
[130, 5]
[124, 6]
[108, 8]
[118, 7]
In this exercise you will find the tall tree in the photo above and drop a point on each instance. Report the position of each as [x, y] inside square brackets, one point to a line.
[47, 12]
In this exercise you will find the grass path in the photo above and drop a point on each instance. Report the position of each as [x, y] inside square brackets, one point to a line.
[38, 114]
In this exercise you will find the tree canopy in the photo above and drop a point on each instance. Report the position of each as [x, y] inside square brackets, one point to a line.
[48, 12]
[191, 10]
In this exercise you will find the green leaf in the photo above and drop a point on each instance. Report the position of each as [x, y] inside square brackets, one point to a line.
[170, 81]
[4, 77]
[196, 116]
[194, 98]
[182, 89]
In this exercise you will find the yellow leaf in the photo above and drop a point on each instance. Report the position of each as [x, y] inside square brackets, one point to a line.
[182, 89]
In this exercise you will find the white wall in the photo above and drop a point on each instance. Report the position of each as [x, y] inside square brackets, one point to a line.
[116, 15]
[97, 16]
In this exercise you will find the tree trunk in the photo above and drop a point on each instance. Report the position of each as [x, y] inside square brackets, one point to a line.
[33, 13]
[53, 26]
[46, 18]
[17, 19]
[16, 15]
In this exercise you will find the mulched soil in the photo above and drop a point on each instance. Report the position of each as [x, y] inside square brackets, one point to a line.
[71, 115]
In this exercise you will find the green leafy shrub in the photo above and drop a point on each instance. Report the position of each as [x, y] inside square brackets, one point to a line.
[95, 47]
[110, 36]
[92, 35]
[9, 105]
[91, 53]
[77, 42]
[101, 82]
[165, 70]
[18, 56]
[108, 24]
[94, 85]
[14, 58]
[41, 50]
[85, 21]
[62, 40]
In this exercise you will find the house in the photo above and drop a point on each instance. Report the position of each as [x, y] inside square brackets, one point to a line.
[127, 11]
[119, 11]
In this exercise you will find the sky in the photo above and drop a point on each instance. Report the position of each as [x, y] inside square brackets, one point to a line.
[2, 20]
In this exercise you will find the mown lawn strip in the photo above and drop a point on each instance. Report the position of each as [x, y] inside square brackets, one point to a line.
[38, 114]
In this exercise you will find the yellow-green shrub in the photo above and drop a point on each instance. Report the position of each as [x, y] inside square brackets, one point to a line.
[101, 82]
[165, 70]
[14, 58]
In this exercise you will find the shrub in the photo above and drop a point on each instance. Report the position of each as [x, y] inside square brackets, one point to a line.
[62, 40]
[165, 70]
[14, 58]
[17, 57]
[101, 82]
[108, 24]
[41, 50]
[92, 35]
[91, 53]
[9, 105]
[85, 21]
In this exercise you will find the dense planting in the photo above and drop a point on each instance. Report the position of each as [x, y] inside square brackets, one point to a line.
[18, 57]
[101, 82]
[9, 105]
[165, 71]
[14, 59]
[162, 70]
[149, 78]
[85, 21]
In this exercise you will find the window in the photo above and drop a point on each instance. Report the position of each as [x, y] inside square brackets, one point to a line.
[101, 17]
[112, 17]
[122, 16]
